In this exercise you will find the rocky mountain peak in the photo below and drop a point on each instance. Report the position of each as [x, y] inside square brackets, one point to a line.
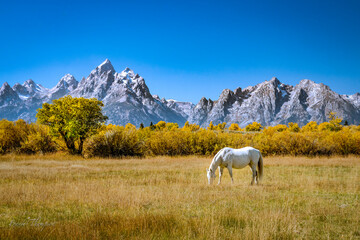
[8, 95]
[275, 81]
[128, 74]
[353, 99]
[306, 82]
[5, 87]
[21, 90]
[106, 66]
[226, 92]
[66, 84]
[238, 91]
[16, 86]
[203, 101]
[227, 97]
[68, 81]
[29, 88]
[127, 70]
[68, 78]
[29, 83]
[156, 97]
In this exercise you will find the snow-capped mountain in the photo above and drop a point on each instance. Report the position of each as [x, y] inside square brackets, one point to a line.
[127, 99]
[184, 108]
[29, 89]
[10, 102]
[353, 99]
[66, 85]
[8, 96]
[273, 102]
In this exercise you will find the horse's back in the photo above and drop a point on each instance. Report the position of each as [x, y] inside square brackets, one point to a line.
[241, 157]
[235, 157]
[253, 153]
[246, 151]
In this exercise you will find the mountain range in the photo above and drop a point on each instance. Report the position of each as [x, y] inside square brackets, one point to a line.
[127, 99]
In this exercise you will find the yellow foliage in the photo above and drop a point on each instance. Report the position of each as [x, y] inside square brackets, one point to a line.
[310, 127]
[172, 126]
[191, 127]
[294, 127]
[168, 139]
[129, 126]
[211, 126]
[335, 122]
[220, 126]
[39, 140]
[277, 128]
[234, 127]
[24, 138]
[160, 125]
[253, 127]
[115, 142]
[325, 126]
[10, 136]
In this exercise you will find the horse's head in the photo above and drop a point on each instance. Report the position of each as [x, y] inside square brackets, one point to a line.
[210, 175]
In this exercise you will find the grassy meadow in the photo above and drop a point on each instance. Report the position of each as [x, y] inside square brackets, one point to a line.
[67, 197]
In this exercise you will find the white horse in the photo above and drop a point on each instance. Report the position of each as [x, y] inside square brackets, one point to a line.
[236, 158]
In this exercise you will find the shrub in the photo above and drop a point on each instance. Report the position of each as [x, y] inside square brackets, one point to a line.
[234, 127]
[38, 141]
[253, 127]
[311, 126]
[114, 142]
[11, 135]
[168, 139]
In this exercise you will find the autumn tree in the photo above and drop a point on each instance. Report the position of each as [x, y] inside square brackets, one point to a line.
[74, 119]
[335, 121]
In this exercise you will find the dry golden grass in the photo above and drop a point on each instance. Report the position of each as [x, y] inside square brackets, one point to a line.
[67, 197]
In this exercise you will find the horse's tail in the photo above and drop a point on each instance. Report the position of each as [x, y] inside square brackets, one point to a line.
[260, 166]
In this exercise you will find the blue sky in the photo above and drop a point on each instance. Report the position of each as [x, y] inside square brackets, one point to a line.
[184, 49]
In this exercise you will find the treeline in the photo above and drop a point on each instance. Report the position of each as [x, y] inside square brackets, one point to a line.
[325, 139]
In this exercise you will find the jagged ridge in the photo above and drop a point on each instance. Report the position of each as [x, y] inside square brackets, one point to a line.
[272, 103]
[127, 99]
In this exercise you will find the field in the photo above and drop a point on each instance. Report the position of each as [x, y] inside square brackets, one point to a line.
[65, 197]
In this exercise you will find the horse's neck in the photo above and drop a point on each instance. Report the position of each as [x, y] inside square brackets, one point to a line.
[215, 163]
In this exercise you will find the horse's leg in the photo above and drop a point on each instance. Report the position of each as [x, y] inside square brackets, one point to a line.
[221, 169]
[229, 167]
[254, 174]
